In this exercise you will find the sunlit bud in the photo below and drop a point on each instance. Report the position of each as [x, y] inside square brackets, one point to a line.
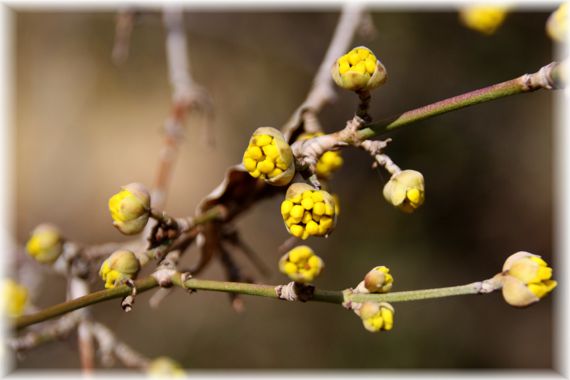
[405, 190]
[378, 280]
[14, 298]
[526, 279]
[269, 157]
[358, 70]
[301, 264]
[45, 244]
[130, 208]
[483, 19]
[308, 212]
[557, 24]
[377, 316]
[122, 265]
[164, 367]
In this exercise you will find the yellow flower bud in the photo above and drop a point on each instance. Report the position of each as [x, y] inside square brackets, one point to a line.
[328, 163]
[164, 367]
[122, 265]
[14, 298]
[378, 280]
[526, 279]
[269, 157]
[301, 264]
[405, 190]
[557, 23]
[45, 244]
[308, 212]
[377, 316]
[358, 70]
[483, 19]
[130, 208]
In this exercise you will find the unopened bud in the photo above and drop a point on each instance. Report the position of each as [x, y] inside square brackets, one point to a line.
[122, 265]
[45, 244]
[130, 208]
[269, 157]
[405, 190]
[358, 70]
[307, 211]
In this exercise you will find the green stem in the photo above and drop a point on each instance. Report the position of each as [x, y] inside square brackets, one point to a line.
[78, 303]
[416, 295]
[549, 77]
[329, 296]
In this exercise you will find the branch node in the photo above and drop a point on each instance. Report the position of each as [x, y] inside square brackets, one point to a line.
[295, 291]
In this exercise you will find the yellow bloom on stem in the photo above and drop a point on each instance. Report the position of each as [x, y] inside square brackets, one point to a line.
[557, 24]
[46, 244]
[301, 264]
[14, 298]
[308, 212]
[484, 19]
[358, 70]
[122, 265]
[163, 367]
[378, 280]
[376, 316]
[328, 163]
[130, 208]
[405, 190]
[269, 157]
[526, 279]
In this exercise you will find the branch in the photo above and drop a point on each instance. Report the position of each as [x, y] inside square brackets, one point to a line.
[551, 76]
[269, 291]
[322, 91]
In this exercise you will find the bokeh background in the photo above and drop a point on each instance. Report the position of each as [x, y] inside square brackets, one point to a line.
[85, 126]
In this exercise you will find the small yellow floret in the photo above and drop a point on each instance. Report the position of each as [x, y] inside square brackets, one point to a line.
[308, 212]
[358, 70]
[482, 18]
[377, 316]
[14, 298]
[557, 24]
[301, 264]
[269, 157]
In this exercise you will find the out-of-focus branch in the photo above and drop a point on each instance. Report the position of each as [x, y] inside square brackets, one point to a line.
[322, 91]
[186, 95]
[123, 31]
[45, 333]
[79, 288]
[110, 347]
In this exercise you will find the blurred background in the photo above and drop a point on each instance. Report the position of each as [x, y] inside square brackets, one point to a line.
[85, 126]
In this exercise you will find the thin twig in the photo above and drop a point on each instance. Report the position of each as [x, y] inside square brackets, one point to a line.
[111, 346]
[79, 288]
[548, 77]
[329, 296]
[322, 91]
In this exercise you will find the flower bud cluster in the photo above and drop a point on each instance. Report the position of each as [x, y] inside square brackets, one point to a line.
[46, 244]
[14, 298]
[359, 70]
[121, 266]
[484, 19]
[376, 316]
[269, 157]
[405, 190]
[130, 208]
[301, 264]
[308, 212]
[526, 278]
